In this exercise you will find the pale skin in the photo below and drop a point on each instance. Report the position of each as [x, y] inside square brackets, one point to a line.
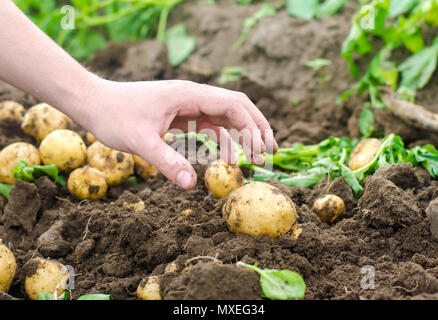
[127, 116]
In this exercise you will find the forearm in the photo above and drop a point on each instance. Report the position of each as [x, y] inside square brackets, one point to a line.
[32, 62]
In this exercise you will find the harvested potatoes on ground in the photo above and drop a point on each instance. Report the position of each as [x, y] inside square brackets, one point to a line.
[63, 148]
[90, 138]
[363, 153]
[116, 165]
[329, 208]
[87, 183]
[259, 209]
[12, 154]
[143, 168]
[221, 178]
[43, 276]
[11, 110]
[42, 119]
[149, 289]
[8, 266]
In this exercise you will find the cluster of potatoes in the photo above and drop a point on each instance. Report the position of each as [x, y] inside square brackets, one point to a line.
[91, 170]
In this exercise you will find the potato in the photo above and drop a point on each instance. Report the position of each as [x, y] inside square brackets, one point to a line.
[8, 266]
[44, 275]
[116, 165]
[63, 148]
[149, 289]
[11, 110]
[12, 154]
[221, 178]
[364, 153]
[90, 138]
[143, 168]
[259, 209]
[329, 208]
[87, 183]
[42, 119]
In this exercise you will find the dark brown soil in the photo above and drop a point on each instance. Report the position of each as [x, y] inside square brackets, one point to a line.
[112, 247]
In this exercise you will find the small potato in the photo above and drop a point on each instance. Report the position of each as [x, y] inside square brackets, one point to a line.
[329, 208]
[221, 178]
[90, 138]
[12, 154]
[259, 209]
[116, 165]
[144, 169]
[87, 183]
[42, 119]
[364, 153]
[11, 110]
[149, 289]
[43, 276]
[8, 266]
[63, 148]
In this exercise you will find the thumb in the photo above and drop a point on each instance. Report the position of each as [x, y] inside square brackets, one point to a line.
[169, 162]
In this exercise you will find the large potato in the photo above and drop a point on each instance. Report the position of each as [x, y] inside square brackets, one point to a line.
[11, 110]
[364, 153]
[259, 209]
[42, 119]
[149, 289]
[63, 148]
[116, 165]
[143, 168]
[45, 276]
[12, 154]
[221, 178]
[87, 183]
[329, 208]
[8, 266]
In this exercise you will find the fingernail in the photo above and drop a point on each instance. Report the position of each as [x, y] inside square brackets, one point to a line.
[259, 159]
[184, 179]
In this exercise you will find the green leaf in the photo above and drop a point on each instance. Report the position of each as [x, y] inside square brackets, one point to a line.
[97, 296]
[231, 74]
[318, 63]
[279, 284]
[330, 7]
[5, 190]
[366, 122]
[306, 9]
[351, 179]
[399, 7]
[179, 44]
[45, 296]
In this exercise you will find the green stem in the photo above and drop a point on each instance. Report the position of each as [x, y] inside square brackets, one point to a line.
[161, 33]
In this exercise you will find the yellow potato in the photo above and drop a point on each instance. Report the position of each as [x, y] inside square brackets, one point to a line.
[143, 168]
[149, 289]
[364, 153]
[11, 110]
[116, 165]
[8, 266]
[42, 119]
[221, 178]
[12, 154]
[43, 276]
[329, 208]
[63, 148]
[87, 183]
[259, 209]
[91, 138]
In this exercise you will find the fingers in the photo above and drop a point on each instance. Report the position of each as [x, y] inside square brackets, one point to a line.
[169, 162]
[221, 137]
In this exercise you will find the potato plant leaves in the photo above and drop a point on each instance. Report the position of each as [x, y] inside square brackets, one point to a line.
[310, 9]
[31, 173]
[279, 284]
[66, 296]
[179, 44]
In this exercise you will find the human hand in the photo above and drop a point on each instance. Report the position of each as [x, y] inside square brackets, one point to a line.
[134, 116]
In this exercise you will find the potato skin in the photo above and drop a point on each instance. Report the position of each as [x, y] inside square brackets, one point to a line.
[8, 267]
[363, 153]
[221, 178]
[42, 119]
[90, 138]
[149, 289]
[87, 183]
[259, 209]
[116, 165]
[63, 148]
[143, 168]
[12, 154]
[11, 110]
[329, 208]
[44, 276]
